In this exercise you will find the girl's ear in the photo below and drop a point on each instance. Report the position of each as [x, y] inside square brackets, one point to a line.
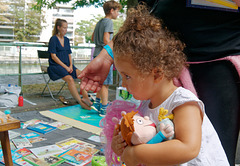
[158, 74]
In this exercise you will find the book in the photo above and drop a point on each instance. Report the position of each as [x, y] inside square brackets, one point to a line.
[72, 140]
[46, 161]
[60, 125]
[23, 151]
[20, 161]
[30, 123]
[37, 139]
[44, 151]
[14, 156]
[13, 134]
[76, 157]
[42, 128]
[30, 135]
[21, 142]
[225, 5]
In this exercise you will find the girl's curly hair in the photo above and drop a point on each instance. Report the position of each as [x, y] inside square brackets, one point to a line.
[150, 45]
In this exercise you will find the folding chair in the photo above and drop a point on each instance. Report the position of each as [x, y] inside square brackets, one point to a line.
[43, 56]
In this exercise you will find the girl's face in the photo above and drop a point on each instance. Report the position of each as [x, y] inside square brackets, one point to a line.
[139, 85]
[63, 29]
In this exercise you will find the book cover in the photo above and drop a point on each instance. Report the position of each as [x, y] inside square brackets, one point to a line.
[21, 142]
[60, 125]
[37, 139]
[14, 156]
[30, 135]
[44, 151]
[20, 161]
[77, 157]
[225, 5]
[72, 140]
[30, 123]
[46, 161]
[42, 128]
[13, 134]
[23, 152]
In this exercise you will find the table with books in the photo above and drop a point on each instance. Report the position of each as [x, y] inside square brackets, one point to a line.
[4, 127]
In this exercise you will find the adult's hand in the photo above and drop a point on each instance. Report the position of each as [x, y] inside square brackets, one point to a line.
[95, 73]
[237, 2]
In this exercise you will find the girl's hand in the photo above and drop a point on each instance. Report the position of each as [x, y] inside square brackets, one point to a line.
[118, 143]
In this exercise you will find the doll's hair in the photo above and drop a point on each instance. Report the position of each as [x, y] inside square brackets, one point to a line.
[114, 109]
[127, 126]
[148, 44]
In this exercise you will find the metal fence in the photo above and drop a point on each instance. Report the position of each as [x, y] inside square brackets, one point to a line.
[21, 58]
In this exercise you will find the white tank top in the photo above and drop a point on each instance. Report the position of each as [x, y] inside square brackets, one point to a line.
[211, 152]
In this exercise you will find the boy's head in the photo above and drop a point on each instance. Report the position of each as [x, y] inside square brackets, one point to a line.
[148, 45]
[111, 5]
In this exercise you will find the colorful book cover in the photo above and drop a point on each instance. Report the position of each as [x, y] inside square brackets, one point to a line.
[226, 5]
[23, 151]
[22, 162]
[44, 151]
[42, 128]
[14, 156]
[30, 135]
[46, 161]
[72, 140]
[30, 123]
[36, 139]
[60, 125]
[21, 142]
[77, 157]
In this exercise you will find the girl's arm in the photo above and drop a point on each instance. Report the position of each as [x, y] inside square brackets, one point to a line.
[186, 145]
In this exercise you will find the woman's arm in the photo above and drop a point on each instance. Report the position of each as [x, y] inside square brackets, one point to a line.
[94, 74]
[186, 145]
[58, 61]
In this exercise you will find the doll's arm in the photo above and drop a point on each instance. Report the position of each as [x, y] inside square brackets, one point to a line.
[165, 131]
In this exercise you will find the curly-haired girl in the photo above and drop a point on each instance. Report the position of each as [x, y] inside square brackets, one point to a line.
[148, 57]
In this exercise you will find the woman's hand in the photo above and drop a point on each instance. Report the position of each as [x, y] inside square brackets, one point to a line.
[95, 73]
[118, 143]
[237, 2]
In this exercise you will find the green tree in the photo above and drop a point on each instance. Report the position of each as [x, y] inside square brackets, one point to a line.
[86, 28]
[82, 3]
[26, 21]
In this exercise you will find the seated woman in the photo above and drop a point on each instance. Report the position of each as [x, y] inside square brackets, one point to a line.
[60, 62]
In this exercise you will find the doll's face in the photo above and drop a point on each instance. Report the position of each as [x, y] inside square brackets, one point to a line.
[145, 129]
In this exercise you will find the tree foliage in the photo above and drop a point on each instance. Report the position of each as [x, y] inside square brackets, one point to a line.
[26, 22]
[81, 3]
[86, 28]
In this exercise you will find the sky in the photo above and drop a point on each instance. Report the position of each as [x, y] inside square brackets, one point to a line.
[85, 13]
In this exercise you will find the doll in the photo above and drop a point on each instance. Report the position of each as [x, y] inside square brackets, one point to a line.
[136, 129]
[112, 120]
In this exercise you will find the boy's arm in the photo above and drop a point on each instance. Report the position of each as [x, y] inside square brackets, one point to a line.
[106, 38]
[187, 121]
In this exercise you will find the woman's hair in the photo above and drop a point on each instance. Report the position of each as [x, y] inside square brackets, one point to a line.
[107, 6]
[58, 22]
[148, 44]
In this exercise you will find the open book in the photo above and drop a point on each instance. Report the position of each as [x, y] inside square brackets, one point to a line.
[227, 5]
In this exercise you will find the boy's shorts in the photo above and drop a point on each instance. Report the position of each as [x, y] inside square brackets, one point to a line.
[109, 79]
